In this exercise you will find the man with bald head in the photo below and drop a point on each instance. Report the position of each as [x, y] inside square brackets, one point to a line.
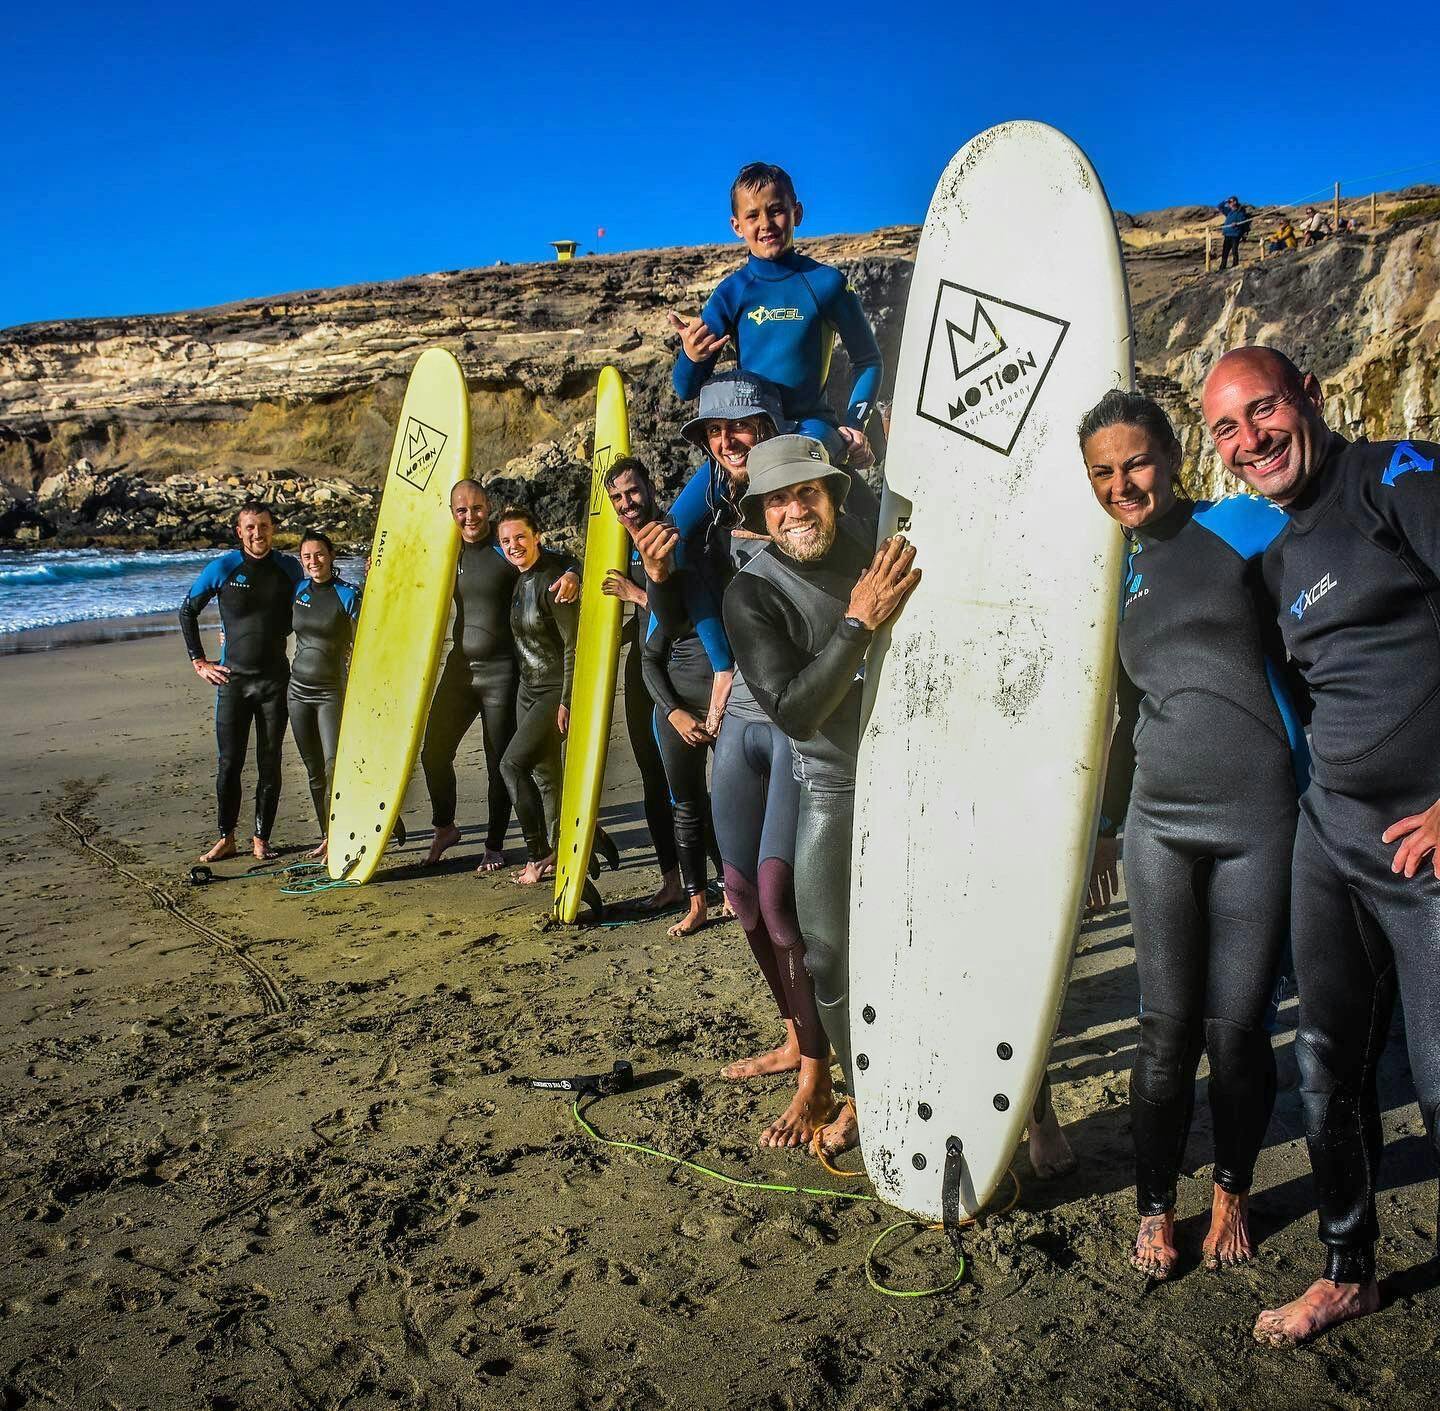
[1356, 579]
[480, 678]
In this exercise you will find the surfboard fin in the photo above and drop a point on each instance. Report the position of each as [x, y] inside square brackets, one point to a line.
[590, 896]
[950, 1191]
[605, 846]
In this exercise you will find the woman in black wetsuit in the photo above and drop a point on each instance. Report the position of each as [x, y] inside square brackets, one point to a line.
[324, 614]
[544, 632]
[1209, 735]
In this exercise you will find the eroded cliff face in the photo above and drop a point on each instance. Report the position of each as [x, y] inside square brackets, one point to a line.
[1362, 313]
[298, 395]
[309, 386]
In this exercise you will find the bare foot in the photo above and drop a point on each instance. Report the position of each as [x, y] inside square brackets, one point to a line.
[223, 849]
[535, 871]
[1050, 1153]
[319, 854]
[842, 1133]
[492, 861]
[693, 920]
[783, 1058]
[262, 850]
[812, 1106]
[670, 894]
[1155, 1253]
[444, 839]
[1228, 1242]
[1321, 1306]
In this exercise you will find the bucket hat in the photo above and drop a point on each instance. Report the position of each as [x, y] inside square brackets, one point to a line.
[731, 396]
[783, 461]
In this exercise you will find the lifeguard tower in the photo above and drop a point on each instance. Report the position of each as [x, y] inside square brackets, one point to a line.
[565, 249]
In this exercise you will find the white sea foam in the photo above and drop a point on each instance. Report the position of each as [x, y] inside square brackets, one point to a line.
[53, 587]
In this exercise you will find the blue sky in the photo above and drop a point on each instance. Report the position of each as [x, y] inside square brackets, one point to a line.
[192, 155]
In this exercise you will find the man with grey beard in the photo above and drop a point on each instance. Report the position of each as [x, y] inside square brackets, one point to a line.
[800, 617]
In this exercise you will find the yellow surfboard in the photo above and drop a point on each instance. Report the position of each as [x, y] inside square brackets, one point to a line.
[402, 617]
[597, 655]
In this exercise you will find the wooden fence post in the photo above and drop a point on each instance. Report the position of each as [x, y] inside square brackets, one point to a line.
[1336, 225]
[1207, 249]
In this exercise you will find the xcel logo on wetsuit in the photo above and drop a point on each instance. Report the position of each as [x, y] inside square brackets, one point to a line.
[1313, 595]
[763, 315]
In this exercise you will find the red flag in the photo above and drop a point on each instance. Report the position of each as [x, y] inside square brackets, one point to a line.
[600, 233]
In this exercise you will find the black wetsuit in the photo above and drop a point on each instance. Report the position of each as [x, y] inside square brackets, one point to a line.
[640, 726]
[1210, 735]
[755, 798]
[479, 678]
[255, 597]
[544, 634]
[678, 675]
[801, 659]
[324, 616]
[1357, 579]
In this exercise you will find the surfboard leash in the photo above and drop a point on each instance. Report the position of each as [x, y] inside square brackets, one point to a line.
[308, 886]
[775, 1188]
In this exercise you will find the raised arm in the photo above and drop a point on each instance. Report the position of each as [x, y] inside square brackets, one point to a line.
[848, 316]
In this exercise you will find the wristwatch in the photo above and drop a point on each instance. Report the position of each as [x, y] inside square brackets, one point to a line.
[856, 624]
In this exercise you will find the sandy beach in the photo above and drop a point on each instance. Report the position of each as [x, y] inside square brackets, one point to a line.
[287, 1164]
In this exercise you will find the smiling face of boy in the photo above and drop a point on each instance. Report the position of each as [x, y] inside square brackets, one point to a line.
[765, 219]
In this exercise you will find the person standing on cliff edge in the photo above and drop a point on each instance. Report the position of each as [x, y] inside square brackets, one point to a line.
[1233, 230]
[256, 588]
[1356, 577]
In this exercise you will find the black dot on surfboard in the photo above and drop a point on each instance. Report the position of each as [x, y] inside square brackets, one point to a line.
[862, 1061]
[868, 1014]
[918, 1161]
[1004, 1051]
[1002, 1103]
[382, 808]
[923, 1111]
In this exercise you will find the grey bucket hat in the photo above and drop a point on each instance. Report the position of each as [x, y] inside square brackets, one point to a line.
[731, 396]
[783, 461]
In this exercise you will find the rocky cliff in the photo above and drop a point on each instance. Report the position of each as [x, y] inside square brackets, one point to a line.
[150, 428]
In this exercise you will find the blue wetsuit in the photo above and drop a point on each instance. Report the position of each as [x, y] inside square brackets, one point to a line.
[255, 606]
[324, 616]
[1210, 737]
[782, 316]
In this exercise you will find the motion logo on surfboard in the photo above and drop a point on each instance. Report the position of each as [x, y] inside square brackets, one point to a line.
[985, 364]
[603, 457]
[422, 447]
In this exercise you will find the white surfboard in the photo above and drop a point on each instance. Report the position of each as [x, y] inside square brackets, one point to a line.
[988, 707]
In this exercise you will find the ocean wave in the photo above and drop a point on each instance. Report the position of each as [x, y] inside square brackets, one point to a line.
[41, 570]
[55, 587]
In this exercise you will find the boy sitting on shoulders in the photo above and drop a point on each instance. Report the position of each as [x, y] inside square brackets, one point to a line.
[782, 310]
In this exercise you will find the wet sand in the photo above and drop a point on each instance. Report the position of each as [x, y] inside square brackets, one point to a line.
[292, 1168]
